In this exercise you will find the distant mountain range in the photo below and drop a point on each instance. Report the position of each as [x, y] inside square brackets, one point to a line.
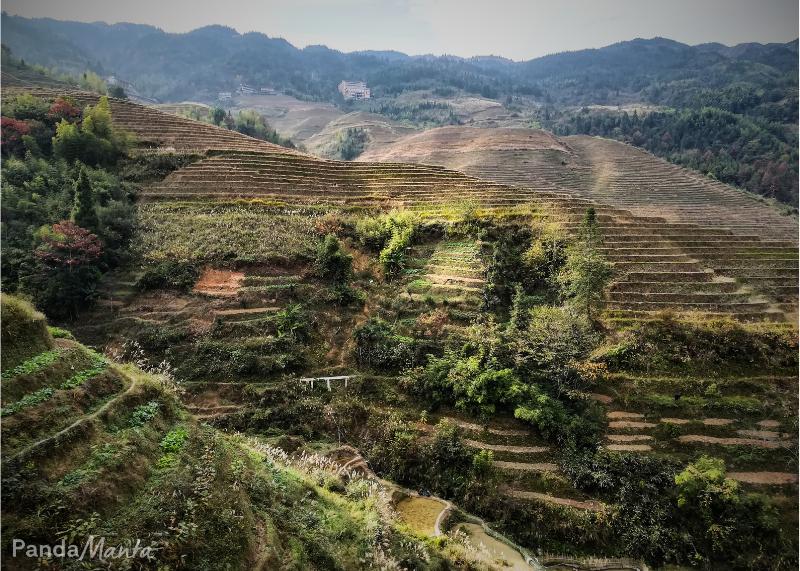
[215, 58]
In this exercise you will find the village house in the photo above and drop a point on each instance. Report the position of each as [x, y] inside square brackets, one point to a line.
[354, 90]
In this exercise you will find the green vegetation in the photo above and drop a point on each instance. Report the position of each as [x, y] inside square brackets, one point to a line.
[586, 273]
[424, 114]
[98, 365]
[169, 274]
[33, 364]
[379, 347]
[27, 401]
[222, 232]
[349, 144]
[744, 144]
[94, 141]
[333, 263]
[250, 122]
[246, 121]
[26, 341]
[461, 349]
[205, 498]
[687, 517]
[713, 347]
[64, 223]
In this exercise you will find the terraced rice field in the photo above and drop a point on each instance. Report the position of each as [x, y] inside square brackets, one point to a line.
[454, 269]
[526, 464]
[89, 408]
[443, 280]
[679, 241]
[237, 309]
[744, 420]
[660, 265]
[155, 129]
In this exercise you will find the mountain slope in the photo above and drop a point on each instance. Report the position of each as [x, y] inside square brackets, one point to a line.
[124, 461]
[228, 57]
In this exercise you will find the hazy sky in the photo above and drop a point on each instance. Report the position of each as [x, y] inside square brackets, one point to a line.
[519, 29]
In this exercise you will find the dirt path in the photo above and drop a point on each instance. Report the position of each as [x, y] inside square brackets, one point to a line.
[245, 311]
[629, 447]
[763, 434]
[630, 424]
[581, 505]
[764, 478]
[705, 421]
[506, 448]
[698, 438]
[221, 283]
[481, 428]
[629, 437]
[527, 467]
[622, 415]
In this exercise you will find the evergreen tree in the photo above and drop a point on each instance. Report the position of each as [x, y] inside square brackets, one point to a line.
[217, 115]
[586, 272]
[84, 213]
[520, 310]
[333, 263]
[589, 230]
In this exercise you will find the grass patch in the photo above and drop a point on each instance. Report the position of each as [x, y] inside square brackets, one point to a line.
[222, 232]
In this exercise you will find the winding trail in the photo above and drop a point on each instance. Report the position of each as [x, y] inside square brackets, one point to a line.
[86, 418]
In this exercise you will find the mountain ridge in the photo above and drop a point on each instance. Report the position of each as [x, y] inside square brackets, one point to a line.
[221, 56]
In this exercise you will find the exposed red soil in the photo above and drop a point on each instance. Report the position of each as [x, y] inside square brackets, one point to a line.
[222, 283]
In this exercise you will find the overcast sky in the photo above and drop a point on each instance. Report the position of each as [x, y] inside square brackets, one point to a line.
[518, 29]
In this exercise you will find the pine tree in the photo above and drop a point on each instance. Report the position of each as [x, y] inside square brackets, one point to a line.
[589, 232]
[83, 212]
[520, 310]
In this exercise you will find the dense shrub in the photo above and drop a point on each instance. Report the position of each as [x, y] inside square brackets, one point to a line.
[441, 464]
[717, 347]
[332, 262]
[377, 346]
[467, 383]
[728, 525]
[551, 347]
[147, 167]
[391, 234]
[506, 268]
[40, 190]
[179, 276]
[696, 516]
[586, 272]
[373, 232]
[293, 322]
[349, 143]
[94, 141]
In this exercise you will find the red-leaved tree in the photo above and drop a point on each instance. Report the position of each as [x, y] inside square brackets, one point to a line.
[63, 109]
[67, 275]
[12, 132]
[68, 245]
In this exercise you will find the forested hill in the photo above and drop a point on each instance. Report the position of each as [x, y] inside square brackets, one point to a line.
[217, 58]
[727, 112]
